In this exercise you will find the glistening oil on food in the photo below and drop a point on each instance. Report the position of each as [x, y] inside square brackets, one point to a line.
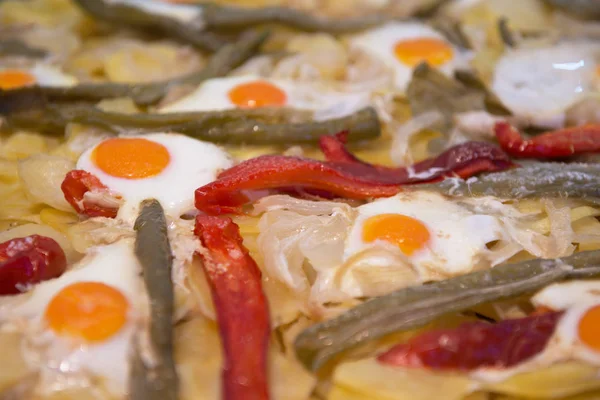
[299, 199]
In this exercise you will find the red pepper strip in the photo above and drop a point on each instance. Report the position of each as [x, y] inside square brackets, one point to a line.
[463, 160]
[76, 184]
[560, 143]
[348, 179]
[241, 305]
[476, 344]
[29, 260]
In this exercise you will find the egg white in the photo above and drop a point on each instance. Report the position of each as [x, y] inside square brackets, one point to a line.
[213, 95]
[380, 42]
[193, 163]
[60, 356]
[538, 85]
[458, 237]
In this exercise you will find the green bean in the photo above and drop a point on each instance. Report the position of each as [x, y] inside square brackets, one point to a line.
[589, 9]
[130, 16]
[227, 18]
[431, 90]
[414, 307]
[534, 179]
[153, 251]
[221, 63]
[277, 126]
[506, 34]
[12, 47]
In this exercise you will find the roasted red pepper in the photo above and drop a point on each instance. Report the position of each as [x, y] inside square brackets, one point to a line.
[241, 305]
[343, 176]
[29, 260]
[560, 143]
[476, 344]
[75, 186]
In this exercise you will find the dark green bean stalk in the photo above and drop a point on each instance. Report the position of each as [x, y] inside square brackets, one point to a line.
[226, 18]
[12, 47]
[158, 381]
[535, 179]
[133, 17]
[221, 63]
[414, 307]
[255, 126]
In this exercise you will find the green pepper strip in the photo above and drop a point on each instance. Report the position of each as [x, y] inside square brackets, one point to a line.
[153, 251]
[129, 16]
[12, 47]
[536, 179]
[256, 126]
[414, 307]
[221, 63]
[227, 18]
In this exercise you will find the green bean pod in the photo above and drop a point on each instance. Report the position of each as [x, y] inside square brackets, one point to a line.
[533, 179]
[414, 307]
[12, 47]
[268, 126]
[159, 380]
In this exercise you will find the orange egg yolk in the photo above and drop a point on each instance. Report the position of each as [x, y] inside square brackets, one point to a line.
[589, 328]
[92, 311]
[412, 52]
[131, 158]
[14, 79]
[257, 94]
[408, 233]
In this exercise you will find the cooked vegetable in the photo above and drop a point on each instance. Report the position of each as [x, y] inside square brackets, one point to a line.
[12, 47]
[88, 196]
[232, 18]
[582, 8]
[345, 176]
[222, 62]
[431, 90]
[474, 345]
[560, 143]
[241, 306]
[158, 380]
[415, 306]
[240, 126]
[134, 17]
[508, 36]
[581, 181]
[28, 260]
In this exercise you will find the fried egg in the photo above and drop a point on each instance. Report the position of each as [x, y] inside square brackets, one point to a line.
[440, 237]
[252, 91]
[181, 12]
[166, 166]
[539, 85]
[82, 323]
[404, 45]
[42, 75]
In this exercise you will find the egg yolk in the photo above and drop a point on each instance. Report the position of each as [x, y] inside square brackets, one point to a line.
[431, 50]
[257, 94]
[13, 79]
[92, 311]
[408, 233]
[131, 158]
[589, 328]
